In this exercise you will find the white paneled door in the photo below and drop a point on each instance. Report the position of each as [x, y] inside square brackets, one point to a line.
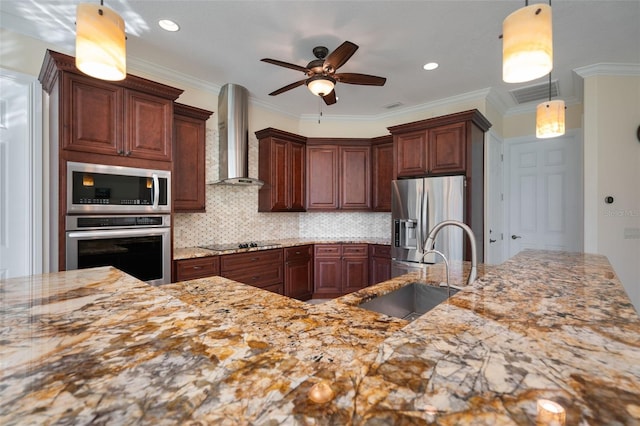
[20, 246]
[545, 194]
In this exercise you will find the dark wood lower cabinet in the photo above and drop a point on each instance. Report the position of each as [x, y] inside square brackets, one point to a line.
[379, 263]
[340, 269]
[298, 272]
[191, 269]
[262, 269]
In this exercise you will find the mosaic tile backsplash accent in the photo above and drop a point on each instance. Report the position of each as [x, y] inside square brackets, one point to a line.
[232, 214]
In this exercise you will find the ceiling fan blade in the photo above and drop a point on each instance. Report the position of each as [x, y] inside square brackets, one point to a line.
[330, 99]
[285, 64]
[363, 79]
[339, 56]
[287, 87]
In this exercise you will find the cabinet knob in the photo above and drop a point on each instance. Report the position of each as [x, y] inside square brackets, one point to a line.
[120, 152]
[128, 154]
[197, 267]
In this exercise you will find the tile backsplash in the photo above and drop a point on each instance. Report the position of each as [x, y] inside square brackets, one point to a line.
[232, 214]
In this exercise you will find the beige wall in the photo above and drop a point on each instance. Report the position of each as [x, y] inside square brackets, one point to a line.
[612, 168]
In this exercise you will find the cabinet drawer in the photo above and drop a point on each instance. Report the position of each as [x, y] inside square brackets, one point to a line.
[241, 261]
[262, 277]
[297, 253]
[189, 269]
[350, 250]
[329, 250]
[378, 250]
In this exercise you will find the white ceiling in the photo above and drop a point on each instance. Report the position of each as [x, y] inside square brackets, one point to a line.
[223, 41]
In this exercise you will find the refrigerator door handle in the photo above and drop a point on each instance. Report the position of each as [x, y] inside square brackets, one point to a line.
[422, 223]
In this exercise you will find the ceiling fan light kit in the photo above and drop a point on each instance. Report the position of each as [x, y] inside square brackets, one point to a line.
[321, 72]
[100, 42]
[527, 44]
[321, 85]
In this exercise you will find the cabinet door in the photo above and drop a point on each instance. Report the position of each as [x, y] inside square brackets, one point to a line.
[447, 152]
[322, 177]
[355, 273]
[149, 123]
[411, 154]
[298, 279]
[297, 176]
[355, 178]
[381, 177]
[380, 270]
[93, 111]
[188, 176]
[280, 181]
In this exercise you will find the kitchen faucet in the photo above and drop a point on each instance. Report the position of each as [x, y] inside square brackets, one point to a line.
[446, 267]
[430, 243]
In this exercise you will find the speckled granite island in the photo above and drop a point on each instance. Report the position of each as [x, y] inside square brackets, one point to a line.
[100, 347]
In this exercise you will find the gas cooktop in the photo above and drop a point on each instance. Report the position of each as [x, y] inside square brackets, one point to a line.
[234, 246]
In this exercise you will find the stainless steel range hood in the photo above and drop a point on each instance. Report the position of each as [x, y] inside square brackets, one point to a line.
[233, 136]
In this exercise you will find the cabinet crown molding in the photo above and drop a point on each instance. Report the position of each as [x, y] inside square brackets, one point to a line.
[472, 115]
[54, 62]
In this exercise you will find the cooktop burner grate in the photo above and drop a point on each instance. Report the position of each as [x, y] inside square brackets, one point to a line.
[235, 246]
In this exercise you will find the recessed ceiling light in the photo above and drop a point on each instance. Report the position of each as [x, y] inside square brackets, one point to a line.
[169, 25]
[430, 66]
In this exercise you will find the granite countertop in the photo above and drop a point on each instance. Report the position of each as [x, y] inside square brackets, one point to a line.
[194, 252]
[98, 346]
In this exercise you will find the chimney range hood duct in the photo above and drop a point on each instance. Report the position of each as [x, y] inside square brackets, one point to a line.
[233, 135]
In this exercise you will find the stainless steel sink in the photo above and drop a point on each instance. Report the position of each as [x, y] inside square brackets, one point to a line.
[408, 302]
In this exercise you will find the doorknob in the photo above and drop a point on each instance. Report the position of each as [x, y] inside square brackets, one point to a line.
[492, 241]
[515, 237]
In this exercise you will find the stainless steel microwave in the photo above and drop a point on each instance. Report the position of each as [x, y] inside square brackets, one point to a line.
[102, 189]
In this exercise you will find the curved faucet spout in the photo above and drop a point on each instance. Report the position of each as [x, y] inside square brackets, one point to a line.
[430, 243]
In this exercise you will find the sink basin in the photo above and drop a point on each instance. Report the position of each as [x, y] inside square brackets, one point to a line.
[408, 302]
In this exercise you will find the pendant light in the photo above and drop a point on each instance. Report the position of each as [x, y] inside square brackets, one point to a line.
[527, 44]
[550, 117]
[100, 42]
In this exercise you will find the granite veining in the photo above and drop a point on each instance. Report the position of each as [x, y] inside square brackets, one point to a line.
[97, 346]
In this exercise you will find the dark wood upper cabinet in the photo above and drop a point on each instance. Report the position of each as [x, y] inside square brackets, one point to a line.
[94, 112]
[438, 146]
[189, 140]
[338, 174]
[149, 125]
[381, 173]
[447, 153]
[282, 169]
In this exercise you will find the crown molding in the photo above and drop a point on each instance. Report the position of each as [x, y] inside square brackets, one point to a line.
[477, 95]
[608, 69]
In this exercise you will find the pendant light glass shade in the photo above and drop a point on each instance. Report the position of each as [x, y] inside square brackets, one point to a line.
[527, 44]
[100, 42]
[321, 85]
[550, 119]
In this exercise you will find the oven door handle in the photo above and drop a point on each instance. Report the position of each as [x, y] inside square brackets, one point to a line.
[115, 233]
[156, 191]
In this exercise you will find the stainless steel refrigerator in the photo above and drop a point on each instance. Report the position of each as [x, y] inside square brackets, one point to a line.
[417, 206]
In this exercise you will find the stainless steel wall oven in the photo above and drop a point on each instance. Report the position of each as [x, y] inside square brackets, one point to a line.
[119, 216]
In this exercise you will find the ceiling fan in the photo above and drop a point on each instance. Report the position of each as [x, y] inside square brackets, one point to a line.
[321, 72]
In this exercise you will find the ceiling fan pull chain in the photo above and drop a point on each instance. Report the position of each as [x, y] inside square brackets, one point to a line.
[319, 108]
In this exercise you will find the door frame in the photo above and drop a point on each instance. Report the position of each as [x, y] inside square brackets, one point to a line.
[34, 113]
